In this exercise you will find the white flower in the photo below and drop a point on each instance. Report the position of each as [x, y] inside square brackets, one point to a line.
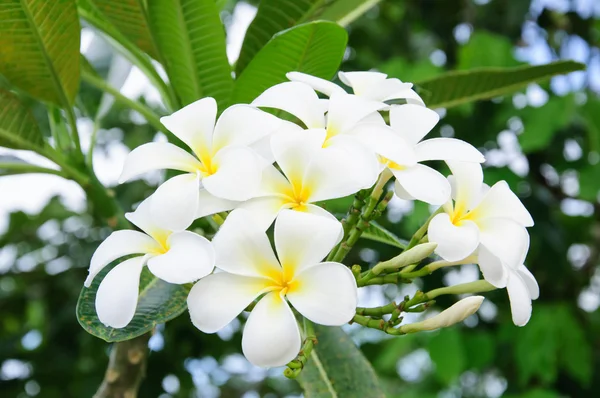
[323, 292]
[224, 169]
[490, 221]
[458, 312]
[371, 85]
[417, 181]
[175, 257]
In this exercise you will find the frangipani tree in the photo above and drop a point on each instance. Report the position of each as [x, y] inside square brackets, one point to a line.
[263, 142]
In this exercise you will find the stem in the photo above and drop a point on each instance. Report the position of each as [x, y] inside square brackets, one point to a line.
[126, 369]
[416, 238]
[392, 279]
[72, 119]
[21, 168]
[295, 366]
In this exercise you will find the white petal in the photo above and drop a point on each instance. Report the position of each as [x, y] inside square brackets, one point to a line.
[340, 169]
[117, 245]
[274, 183]
[194, 124]
[412, 122]
[530, 282]
[408, 94]
[447, 149]
[264, 209]
[243, 248]
[217, 299]
[304, 239]
[175, 202]
[467, 185]
[189, 258]
[319, 211]
[117, 295]
[271, 336]
[262, 147]
[361, 82]
[157, 156]
[423, 183]
[243, 125]
[401, 192]
[346, 110]
[321, 85]
[520, 301]
[392, 89]
[293, 149]
[504, 238]
[238, 174]
[144, 219]
[500, 201]
[385, 142]
[209, 204]
[454, 243]
[492, 268]
[330, 283]
[296, 98]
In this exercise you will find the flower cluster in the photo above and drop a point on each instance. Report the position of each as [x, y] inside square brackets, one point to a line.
[265, 169]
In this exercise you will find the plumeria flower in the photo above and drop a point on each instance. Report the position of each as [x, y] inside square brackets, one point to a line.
[175, 257]
[371, 85]
[323, 292]
[310, 174]
[417, 181]
[224, 169]
[490, 221]
[352, 125]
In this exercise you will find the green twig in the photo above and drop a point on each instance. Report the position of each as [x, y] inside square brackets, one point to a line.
[22, 168]
[295, 366]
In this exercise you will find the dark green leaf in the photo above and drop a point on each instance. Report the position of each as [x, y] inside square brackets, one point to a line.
[158, 302]
[191, 40]
[18, 128]
[315, 48]
[345, 12]
[337, 368]
[455, 88]
[40, 48]
[379, 234]
[272, 16]
[448, 354]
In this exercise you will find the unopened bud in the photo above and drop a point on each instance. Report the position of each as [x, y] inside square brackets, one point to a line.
[456, 313]
[411, 256]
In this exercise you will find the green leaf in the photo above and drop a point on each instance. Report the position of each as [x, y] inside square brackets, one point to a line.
[315, 48]
[539, 128]
[337, 369]
[448, 354]
[191, 40]
[377, 233]
[476, 53]
[480, 349]
[459, 87]
[344, 12]
[40, 48]
[129, 17]
[272, 16]
[18, 128]
[158, 302]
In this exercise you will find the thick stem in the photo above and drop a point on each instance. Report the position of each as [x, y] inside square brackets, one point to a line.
[126, 369]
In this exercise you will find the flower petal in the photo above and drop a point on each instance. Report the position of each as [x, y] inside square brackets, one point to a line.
[362, 81]
[209, 204]
[412, 122]
[447, 149]
[500, 201]
[321, 85]
[331, 283]
[117, 295]
[157, 156]
[454, 242]
[304, 239]
[242, 125]
[117, 245]
[492, 268]
[401, 192]
[340, 169]
[467, 184]
[530, 282]
[193, 124]
[144, 219]
[520, 301]
[238, 174]
[346, 110]
[423, 183]
[385, 142]
[217, 299]
[175, 202]
[296, 98]
[264, 210]
[243, 248]
[505, 239]
[271, 336]
[189, 258]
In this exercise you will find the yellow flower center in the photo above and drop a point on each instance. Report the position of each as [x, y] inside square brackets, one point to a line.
[390, 164]
[282, 280]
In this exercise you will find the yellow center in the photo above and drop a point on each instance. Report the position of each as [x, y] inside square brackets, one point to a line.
[460, 213]
[282, 280]
[390, 164]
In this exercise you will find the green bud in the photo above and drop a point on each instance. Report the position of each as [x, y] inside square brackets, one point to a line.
[411, 256]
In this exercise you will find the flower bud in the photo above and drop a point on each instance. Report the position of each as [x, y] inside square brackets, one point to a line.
[411, 256]
[456, 313]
